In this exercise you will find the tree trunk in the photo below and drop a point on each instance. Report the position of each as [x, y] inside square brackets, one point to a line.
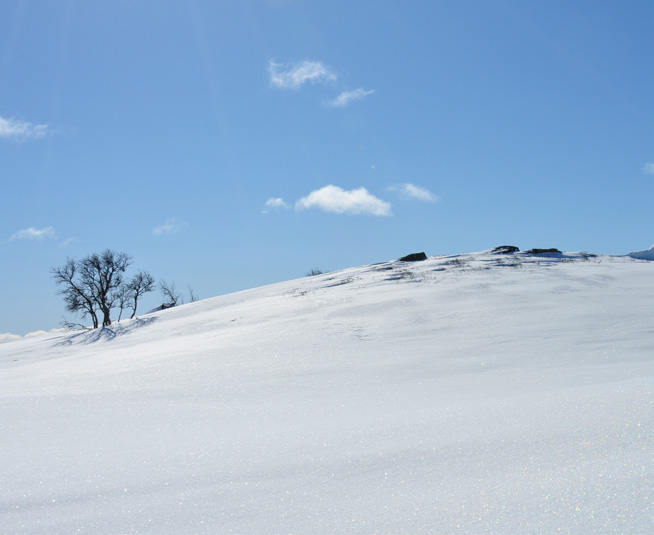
[136, 299]
[94, 317]
[106, 320]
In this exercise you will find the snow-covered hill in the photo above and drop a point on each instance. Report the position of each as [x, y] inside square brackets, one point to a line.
[643, 255]
[463, 394]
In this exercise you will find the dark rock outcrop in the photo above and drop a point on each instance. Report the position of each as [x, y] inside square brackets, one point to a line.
[541, 251]
[505, 249]
[413, 257]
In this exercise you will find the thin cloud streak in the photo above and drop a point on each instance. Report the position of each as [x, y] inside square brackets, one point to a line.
[32, 233]
[171, 226]
[21, 130]
[648, 168]
[339, 201]
[68, 241]
[285, 76]
[276, 203]
[411, 191]
[347, 97]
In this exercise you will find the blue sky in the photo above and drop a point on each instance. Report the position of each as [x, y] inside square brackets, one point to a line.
[228, 145]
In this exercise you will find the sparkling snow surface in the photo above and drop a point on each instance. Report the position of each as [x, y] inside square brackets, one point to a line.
[504, 394]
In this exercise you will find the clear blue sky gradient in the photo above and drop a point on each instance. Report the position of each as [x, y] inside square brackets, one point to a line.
[531, 122]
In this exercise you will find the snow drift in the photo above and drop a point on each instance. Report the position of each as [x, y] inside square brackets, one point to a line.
[463, 394]
[643, 255]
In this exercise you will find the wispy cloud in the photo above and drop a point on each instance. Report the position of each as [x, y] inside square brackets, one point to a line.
[9, 337]
[21, 130]
[172, 226]
[411, 191]
[347, 97]
[339, 201]
[42, 332]
[47, 233]
[294, 76]
[275, 203]
[40, 234]
[68, 241]
[648, 168]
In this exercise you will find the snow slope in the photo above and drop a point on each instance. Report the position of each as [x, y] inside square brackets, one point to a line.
[643, 255]
[470, 394]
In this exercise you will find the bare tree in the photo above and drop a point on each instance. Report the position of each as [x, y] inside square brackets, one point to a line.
[104, 275]
[192, 297]
[78, 296]
[92, 285]
[122, 296]
[170, 294]
[140, 284]
[71, 325]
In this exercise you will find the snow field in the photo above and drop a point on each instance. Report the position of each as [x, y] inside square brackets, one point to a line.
[465, 394]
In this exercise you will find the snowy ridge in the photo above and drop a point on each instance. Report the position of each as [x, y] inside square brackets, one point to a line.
[643, 255]
[477, 393]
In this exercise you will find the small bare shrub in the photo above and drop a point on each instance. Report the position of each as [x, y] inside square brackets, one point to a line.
[457, 262]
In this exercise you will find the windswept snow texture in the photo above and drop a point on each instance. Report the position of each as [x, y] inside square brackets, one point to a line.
[462, 394]
[643, 255]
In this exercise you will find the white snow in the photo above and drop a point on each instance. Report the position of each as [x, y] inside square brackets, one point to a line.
[643, 255]
[469, 394]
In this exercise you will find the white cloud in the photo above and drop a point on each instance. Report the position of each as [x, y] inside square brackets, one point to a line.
[34, 234]
[347, 97]
[336, 200]
[21, 130]
[294, 76]
[8, 337]
[648, 168]
[42, 332]
[276, 203]
[411, 191]
[171, 226]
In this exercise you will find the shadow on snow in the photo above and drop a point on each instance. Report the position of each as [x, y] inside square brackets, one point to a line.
[106, 333]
